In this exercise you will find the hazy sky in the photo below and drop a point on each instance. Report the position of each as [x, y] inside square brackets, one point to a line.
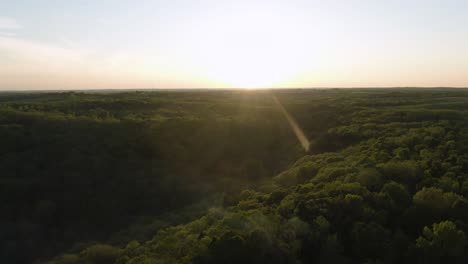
[216, 43]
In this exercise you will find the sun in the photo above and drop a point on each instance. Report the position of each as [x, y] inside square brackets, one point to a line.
[248, 74]
[252, 67]
[249, 53]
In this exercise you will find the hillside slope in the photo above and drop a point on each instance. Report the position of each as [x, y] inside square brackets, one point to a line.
[388, 184]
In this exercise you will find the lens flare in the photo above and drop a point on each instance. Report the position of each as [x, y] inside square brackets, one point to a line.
[294, 125]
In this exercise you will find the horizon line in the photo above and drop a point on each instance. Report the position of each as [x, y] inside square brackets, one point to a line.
[230, 88]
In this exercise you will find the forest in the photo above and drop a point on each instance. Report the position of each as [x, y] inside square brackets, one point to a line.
[218, 176]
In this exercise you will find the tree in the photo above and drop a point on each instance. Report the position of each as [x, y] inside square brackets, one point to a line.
[442, 241]
[369, 240]
[398, 194]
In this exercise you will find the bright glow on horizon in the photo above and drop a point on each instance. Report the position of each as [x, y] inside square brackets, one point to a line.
[252, 52]
[244, 44]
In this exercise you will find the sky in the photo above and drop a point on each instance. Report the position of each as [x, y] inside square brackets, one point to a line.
[116, 44]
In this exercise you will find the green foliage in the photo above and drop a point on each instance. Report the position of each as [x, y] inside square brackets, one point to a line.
[218, 177]
[370, 178]
[369, 240]
[96, 254]
[100, 254]
[66, 259]
[441, 242]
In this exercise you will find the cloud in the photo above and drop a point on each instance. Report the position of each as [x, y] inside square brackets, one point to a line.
[8, 23]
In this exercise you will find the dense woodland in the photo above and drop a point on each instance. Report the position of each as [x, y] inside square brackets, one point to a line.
[217, 176]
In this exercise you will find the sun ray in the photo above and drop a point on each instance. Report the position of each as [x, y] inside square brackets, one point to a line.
[305, 143]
